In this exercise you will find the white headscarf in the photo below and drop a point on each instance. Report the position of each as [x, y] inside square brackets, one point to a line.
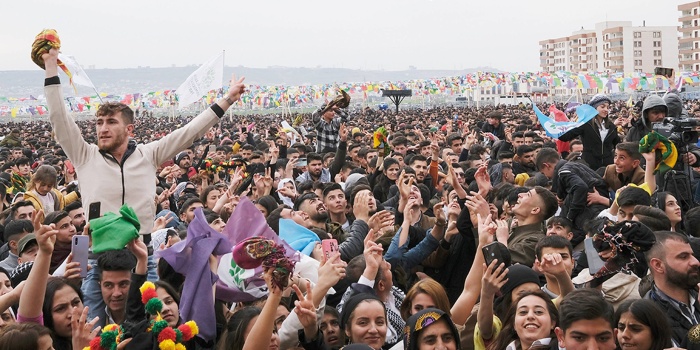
[286, 200]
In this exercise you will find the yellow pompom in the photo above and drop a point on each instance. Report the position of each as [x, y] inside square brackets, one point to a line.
[110, 327]
[193, 326]
[167, 344]
[147, 285]
[179, 346]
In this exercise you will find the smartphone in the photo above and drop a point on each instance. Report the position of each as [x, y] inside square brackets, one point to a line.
[212, 148]
[94, 211]
[301, 162]
[79, 249]
[496, 250]
[595, 263]
[69, 166]
[329, 247]
[667, 72]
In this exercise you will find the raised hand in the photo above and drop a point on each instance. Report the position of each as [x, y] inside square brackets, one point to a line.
[361, 207]
[502, 231]
[161, 222]
[495, 276]
[45, 234]
[82, 331]
[477, 205]
[373, 250]
[72, 269]
[287, 192]
[404, 186]
[343, 132]
[236, 88]
[305, 310]
[486, 226]
[439, 213]
[381, 220]
[551, 264]
[483, 180]
[331, 271]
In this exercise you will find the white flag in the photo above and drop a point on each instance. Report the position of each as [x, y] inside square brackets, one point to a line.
[78, 74]
[206, 78]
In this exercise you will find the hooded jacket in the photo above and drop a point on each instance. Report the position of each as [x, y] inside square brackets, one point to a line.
[643, 126]
[676, 110]
[674, 104]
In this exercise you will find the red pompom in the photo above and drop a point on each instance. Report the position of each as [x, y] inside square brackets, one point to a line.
[167, 334]
[147, 295]
[186, 332]
[95, 344]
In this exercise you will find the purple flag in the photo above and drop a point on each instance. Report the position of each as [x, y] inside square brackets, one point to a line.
[191, 258]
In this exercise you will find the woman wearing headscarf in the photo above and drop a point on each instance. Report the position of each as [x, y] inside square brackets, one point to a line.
[430, 329]
[287, 192]
[599, 136]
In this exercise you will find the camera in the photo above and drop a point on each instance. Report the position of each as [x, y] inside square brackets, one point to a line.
[680, 131]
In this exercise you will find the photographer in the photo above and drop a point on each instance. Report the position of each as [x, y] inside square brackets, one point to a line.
[680, 130]
[654, 110]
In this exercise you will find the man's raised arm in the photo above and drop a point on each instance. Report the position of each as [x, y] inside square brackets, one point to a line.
[66, 131]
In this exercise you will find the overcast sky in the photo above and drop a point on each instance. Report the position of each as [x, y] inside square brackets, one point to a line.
[357, 34]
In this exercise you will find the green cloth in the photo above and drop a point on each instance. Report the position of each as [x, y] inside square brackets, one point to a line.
[665, 151]
[113, 231]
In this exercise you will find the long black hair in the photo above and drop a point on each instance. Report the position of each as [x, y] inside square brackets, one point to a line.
[53, 285]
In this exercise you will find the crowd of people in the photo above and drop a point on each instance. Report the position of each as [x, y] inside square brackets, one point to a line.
[454, 228]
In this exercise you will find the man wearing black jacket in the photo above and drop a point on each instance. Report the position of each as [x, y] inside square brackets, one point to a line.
[494, 126]
[572, 182]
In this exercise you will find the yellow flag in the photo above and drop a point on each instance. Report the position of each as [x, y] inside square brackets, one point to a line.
[14, 111]
[630, 103]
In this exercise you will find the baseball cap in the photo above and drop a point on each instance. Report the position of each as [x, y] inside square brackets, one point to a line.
[24, 242]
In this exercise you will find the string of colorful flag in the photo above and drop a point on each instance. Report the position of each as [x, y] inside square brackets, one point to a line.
[262, 96]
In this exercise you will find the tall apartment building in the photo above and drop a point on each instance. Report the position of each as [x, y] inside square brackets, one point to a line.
[613, 46]
[689, 42]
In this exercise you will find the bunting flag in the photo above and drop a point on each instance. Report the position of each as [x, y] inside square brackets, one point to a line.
[78, 75]
[261, 96]
[554, 129]
[206, 78]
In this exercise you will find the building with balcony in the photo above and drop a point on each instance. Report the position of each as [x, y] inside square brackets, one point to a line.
[689, 40]
[613, 46]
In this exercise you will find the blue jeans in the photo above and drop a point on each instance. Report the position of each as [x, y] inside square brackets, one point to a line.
[92, 294]
[152, 274]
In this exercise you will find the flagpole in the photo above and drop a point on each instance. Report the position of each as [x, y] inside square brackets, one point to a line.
[98, 95]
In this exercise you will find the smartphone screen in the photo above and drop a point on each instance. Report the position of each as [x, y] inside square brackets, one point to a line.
[212, 148]
[329, 246]
[79, 249]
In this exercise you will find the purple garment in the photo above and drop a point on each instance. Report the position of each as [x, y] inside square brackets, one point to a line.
[245, 222]
[191, 258]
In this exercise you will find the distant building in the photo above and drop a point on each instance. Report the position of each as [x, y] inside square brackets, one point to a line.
[613, 46]
[689, 42]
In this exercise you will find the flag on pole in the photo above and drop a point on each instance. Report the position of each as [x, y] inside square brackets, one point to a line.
[206, 78]
[556, 114]
[555, 129]
[78, 75]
